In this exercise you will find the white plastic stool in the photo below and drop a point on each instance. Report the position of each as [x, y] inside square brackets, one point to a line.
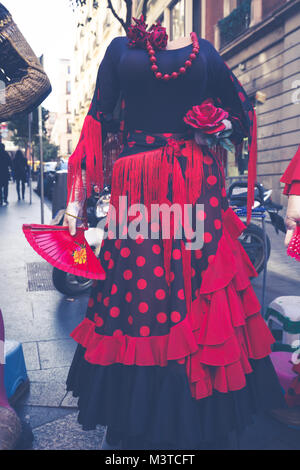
[284, 314]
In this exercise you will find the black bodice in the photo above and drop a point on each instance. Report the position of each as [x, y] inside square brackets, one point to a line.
[154, 105]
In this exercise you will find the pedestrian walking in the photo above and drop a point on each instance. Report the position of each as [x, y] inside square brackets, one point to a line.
[5, 165]
[173, 352]
[20, 170]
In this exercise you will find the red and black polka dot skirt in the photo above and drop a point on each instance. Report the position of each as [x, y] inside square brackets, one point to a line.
[162, 301]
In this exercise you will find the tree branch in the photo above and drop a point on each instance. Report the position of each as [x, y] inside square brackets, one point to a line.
[128, 13]
[110, 6]
[125, 24]
[144, 9]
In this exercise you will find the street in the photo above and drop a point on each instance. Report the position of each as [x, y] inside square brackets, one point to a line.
[42, 319]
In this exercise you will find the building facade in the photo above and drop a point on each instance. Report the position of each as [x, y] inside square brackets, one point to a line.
[60, 130]
[260, 41]
[96, 28]
[6, 138]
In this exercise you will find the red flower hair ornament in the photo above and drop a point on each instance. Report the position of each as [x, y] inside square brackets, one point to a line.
[138, 34]
[211, 124]
[158, 36]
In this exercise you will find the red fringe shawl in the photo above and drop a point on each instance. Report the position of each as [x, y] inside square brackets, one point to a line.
[154, 169]
[89, 148]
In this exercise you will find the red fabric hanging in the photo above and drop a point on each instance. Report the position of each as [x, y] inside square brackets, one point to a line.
[291, 176]
[89, 148]
[252, 173]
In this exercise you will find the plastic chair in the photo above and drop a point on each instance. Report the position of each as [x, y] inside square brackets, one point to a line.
[283, 314]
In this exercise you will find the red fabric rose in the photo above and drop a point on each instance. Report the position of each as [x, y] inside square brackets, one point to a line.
[206, 117]
[137, 33]
[158, 36]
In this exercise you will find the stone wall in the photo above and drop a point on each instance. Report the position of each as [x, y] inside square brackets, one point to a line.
[271, 64]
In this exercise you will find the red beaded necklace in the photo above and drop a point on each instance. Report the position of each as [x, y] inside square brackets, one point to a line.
[182, 70]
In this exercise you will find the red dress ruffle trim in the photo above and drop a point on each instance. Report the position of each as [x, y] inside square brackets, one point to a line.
[291, 176]
[129, 350]
[226, 319]
[222, 331]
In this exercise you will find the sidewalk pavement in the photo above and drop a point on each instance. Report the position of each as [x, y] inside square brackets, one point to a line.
[42, 319]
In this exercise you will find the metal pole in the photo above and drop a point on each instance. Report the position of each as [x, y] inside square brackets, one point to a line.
[263, 307]
[41, 163]
[41, 156]
[30, 153]
[264, 284]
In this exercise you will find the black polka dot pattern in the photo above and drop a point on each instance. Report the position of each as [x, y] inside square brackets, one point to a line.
[136, 299]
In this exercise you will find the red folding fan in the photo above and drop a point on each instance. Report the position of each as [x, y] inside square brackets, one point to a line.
[71, 254]
[294, 246]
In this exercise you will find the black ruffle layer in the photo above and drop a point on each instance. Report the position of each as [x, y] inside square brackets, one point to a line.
[155, 404]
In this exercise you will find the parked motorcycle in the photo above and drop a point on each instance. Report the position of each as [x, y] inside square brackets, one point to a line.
[49, 178]
[256, 244]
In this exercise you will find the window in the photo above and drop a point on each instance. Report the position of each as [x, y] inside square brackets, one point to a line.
[230, 5]
[177, 19]
[242, 153]
[68, 110]
[161, 19]
[107, 20]
[68, 88]
[197, 16]
[69, 147]
[235, 23]
[69, 69]
[69, 127]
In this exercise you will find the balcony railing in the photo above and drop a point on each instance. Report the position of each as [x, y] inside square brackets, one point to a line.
[235, 24]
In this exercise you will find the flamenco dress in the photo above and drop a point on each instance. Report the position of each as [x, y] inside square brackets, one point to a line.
[173, 348]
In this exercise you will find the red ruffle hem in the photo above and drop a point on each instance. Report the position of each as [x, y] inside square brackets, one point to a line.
[222, 331]
[291, 176]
